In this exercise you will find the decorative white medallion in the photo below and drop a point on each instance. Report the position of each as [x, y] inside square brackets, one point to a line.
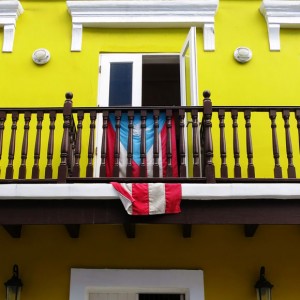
[41, 56]
[9, 13]
[242, 54]
[143, 14]
[280, 14]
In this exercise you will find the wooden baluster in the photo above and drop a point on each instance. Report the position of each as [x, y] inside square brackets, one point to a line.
[12, 146]
[289, 148]
[91, 149]
[22, 169]
[156, 144]
[130, 144]
[104, 144]
[49, 170]
[251, 170]
[297, 115]
[236, 148]
[182, 166]
[277, 167]
[196, 144]
[223, 153]
[116, 169]
[2, 127]
[65, 145]
[76, 168]
[169, 114]
[143, 167]
[208, 143]
[37, 148]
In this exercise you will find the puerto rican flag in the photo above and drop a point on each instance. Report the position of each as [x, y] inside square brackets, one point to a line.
[149, 198]
[111, 137]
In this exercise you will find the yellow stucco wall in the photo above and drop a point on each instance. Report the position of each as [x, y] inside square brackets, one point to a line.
[230, 261]
[270, 78]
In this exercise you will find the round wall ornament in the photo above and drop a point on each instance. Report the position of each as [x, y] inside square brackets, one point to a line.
[41, 56]
[242, 54]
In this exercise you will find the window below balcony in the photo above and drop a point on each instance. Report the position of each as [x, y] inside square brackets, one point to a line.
[121, 284]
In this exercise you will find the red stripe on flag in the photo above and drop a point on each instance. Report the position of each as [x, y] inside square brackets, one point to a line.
[140, 191]
[173, 198]
[111, 137]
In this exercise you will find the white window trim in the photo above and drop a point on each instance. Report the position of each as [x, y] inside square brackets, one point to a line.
[9, 13]
[85, 281]
[280, 14]
[143, 14]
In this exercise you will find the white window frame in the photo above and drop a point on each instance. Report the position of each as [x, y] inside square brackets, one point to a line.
[143, 14]
[85, 281]
[104, 76]
[9, 13]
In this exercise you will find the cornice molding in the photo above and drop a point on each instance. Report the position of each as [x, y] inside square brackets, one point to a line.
[143, 14]
[280, 14]
[9, 13]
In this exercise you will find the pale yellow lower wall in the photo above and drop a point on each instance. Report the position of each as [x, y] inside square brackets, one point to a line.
[230, 261]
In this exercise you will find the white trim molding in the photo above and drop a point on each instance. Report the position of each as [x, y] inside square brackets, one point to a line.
[9, 13]
[280, 14]
[143, 14]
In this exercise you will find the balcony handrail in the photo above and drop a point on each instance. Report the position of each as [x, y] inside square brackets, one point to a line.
[203, 123]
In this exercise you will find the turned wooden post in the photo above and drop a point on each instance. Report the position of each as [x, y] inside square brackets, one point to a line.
[116, 169]
[12, 146]
[208, 144]
[49, 170]
[91, 149]
[22, 169]
[224, 169]
[289, 149]
[130, 144]
[143, 167]
[2, 121]
[104, 143]
[37, 148]
[169, 172]
[65, 145]
[277, 167]
[182, 144]
[76, 168]
[251, 170]
[196, 143]
[155, 144]
[236, 147]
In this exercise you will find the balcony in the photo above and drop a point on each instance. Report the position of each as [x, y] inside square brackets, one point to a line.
[237, 165]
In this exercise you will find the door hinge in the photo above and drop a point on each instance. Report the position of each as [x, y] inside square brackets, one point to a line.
[99, 69]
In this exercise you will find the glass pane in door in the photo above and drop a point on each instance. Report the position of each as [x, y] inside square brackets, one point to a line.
[120, 84]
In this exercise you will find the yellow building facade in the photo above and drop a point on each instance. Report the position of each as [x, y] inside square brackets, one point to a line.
[230, 261]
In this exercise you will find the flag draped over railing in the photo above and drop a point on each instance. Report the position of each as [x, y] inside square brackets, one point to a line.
[124, 130]
[144, 198]
[149, 198]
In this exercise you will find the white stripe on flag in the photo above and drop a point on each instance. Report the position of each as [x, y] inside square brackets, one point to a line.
[126, 202]
[157, 198]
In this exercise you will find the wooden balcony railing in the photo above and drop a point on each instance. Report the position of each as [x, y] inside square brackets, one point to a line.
[252, 144]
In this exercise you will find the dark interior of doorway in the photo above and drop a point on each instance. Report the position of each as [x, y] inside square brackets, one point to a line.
[161, 84]
[161, 87]
[155, 296]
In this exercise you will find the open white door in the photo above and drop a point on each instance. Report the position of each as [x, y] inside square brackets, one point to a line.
[120, 84]
[189, 90]
[188, 70]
